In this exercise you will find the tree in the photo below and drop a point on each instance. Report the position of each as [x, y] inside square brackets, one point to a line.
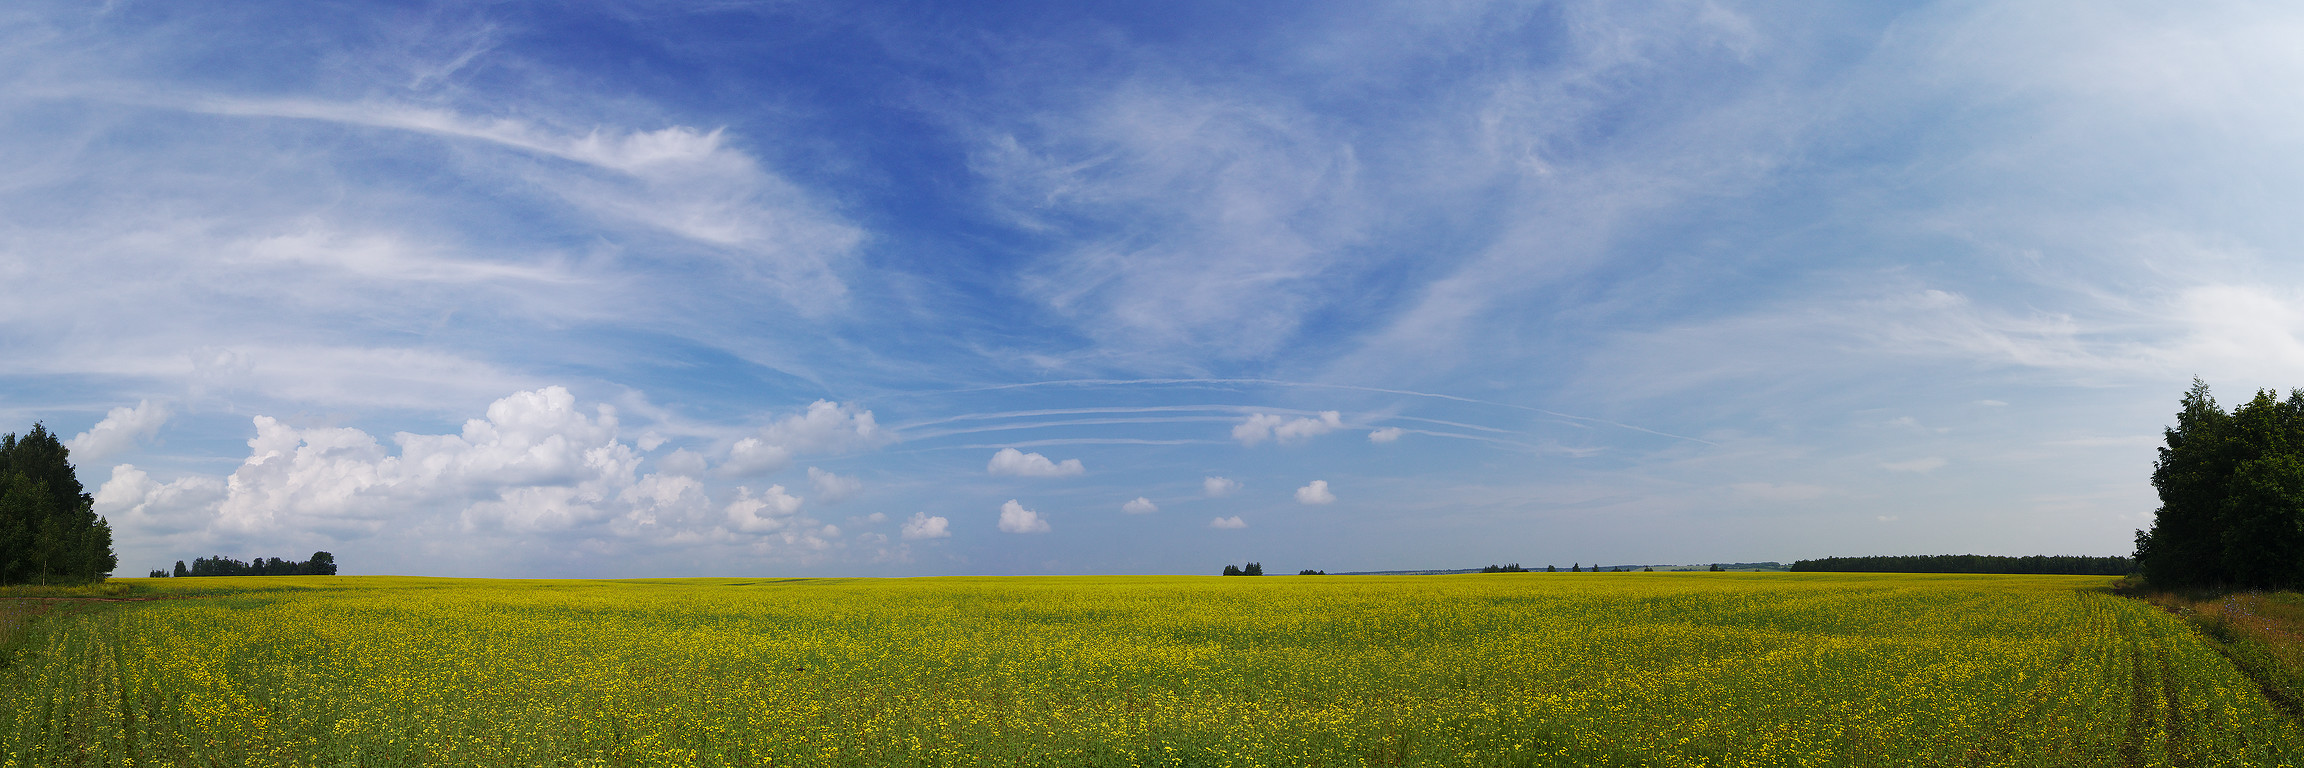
[2231, 495]
[1551, 569]
[1231, 570]
[49, 530]
[1253, 569]
[180, 569]
[2181, 548]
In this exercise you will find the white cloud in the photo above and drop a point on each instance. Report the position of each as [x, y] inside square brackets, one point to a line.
[825, 427]
[1194, 222]
[831, 488]
[1922, 465]
[922, 526]
[667, 500]
[687, 182]
[535, 437]
[1228, 522]
[752, 456]
[1264, 426]
[1014, 518]
[1015, 463]
[1778, 492]
[1217, 487]
[1386, 435]
[538, 468]
[1315, 493]
[1140, 506]
[120, 430]
[135, 504]
[763, 513]
[682, 462]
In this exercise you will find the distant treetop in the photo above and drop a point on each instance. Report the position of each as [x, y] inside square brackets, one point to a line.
[2034, 564]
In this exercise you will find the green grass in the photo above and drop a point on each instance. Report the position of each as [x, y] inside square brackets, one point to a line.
[1669, 669]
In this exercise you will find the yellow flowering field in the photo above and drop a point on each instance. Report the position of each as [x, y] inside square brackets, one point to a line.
[1533, 669]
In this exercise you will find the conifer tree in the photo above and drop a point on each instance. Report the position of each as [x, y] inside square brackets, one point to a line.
[49, 530]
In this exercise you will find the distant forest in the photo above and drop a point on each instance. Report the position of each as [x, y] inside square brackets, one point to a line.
[321, 564]
[2042, 564]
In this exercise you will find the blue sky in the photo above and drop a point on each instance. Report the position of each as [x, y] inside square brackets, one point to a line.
[728, 288]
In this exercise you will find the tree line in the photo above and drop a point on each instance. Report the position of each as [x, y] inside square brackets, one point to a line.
[321, 564]
[2033, 564]
[2231, 495]
[49, 530]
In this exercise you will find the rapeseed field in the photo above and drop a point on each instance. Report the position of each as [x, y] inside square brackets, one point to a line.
[1661, 669]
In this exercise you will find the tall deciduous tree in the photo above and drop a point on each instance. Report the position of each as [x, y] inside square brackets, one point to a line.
[2231, 495]
[49, 529]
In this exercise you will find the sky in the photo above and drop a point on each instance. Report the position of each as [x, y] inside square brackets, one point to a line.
[651, 288]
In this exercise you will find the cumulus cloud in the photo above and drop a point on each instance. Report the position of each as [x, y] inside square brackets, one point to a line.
[1228, 522]
[1386, 435]
[135, 503]
[1262, 427]
[537, 466]
[120, 430]
[1140, 506]
[1014, 518]
[682, 462]
[922, 526]
[665, 499]
[831, 488]
[753, 456]
[1219, 486]
[1315, 493]
[1921, 465]
[766, 512]
[1015, 463]
[825, 427]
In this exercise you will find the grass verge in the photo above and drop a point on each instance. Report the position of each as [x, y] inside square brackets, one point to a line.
[2261, 632]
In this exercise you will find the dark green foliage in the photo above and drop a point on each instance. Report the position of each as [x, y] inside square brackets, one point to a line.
[1551, 569]
[1576, 568]
[49, 530]
[2038, 564]
[2231, 496]
[1310, 572]
[1716, 567]
[1232, 570]
[321, 564]
[1513, 568]
[1253, 569]
[159, 573]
